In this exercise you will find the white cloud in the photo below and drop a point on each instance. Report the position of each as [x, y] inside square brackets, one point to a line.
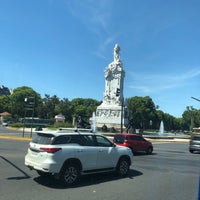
[96, 16]
[154, 83]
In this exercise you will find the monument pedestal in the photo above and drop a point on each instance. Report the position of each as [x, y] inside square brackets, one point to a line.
[111, 116]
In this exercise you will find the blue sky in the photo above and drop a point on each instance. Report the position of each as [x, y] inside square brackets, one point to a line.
[62, 47]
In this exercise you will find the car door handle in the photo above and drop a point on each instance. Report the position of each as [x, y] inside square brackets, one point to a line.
[79, 150]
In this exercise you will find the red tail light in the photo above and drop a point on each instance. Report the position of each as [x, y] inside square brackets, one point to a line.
[50, 150]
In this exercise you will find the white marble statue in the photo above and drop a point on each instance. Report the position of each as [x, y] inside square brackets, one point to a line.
[112, 112]
[114, 76]
[116, 53]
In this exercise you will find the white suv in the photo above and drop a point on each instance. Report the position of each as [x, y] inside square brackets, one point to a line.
[67, 155]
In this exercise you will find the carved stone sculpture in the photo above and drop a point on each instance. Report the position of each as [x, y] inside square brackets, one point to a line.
[111, 112]
[114, 77]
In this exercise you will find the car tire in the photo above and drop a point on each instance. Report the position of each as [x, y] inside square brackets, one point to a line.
[70, 174]
[149, 151]
[123, 167]
[191, 151]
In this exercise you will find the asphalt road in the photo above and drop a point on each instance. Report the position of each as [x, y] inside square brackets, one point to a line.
[170, 173]
[4, 130]
[10, 132]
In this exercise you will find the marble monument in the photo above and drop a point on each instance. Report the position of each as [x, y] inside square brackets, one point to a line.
[113, 112]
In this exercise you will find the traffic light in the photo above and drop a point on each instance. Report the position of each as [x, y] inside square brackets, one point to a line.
[118, 92]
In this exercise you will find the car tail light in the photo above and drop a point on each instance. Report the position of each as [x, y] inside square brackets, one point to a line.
[50, 150]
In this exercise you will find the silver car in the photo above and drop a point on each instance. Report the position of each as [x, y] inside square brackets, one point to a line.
[194, 144]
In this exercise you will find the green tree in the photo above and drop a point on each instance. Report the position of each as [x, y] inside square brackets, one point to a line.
[83, 107]
[5, 103]
[64, 108]
[191, 118]
[18, 101]
[47, 107]
[142, 111]
[170, 122]
[177, 124]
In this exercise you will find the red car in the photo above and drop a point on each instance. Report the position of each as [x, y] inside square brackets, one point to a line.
[135, 142]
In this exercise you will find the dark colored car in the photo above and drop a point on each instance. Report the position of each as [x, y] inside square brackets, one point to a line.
[194, 144]
[135, 142]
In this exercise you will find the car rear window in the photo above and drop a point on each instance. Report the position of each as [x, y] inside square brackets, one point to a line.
[41, 138]
[119, 139]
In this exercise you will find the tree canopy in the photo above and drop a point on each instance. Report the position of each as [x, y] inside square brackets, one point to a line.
[142, 110]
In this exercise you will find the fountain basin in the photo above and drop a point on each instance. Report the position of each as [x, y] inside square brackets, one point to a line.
[158, 135]
[153, 135]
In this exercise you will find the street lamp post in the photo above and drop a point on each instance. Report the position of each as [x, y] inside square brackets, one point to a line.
[195, 98]
[122, 115]
[29, 106]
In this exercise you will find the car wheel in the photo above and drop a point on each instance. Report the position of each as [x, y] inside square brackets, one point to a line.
[70, 174]
[123, 167]
[149, 150]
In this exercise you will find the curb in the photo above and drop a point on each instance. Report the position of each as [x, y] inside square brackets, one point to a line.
[107, 135]
[14, 138]
[169, 140]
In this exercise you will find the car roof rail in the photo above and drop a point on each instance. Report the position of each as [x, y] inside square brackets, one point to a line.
[78, 130]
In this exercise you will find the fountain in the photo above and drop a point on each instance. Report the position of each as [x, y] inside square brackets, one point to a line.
[160, 134]
[163, 135]
[161, 130]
